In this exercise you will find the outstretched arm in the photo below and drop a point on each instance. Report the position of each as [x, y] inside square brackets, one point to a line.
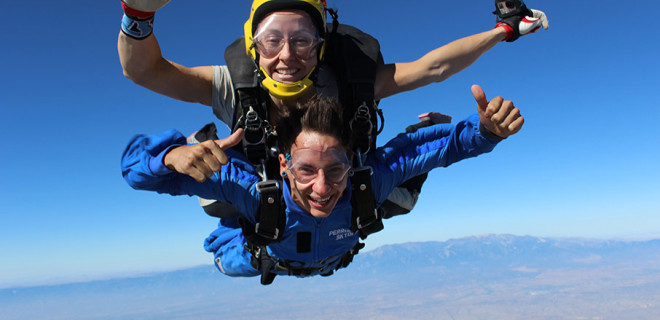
[141, 59]
[441, 145]
[437, 65]
[443, 62]
[164, 163]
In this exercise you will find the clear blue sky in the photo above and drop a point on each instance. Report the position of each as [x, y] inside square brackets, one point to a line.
[585, 163]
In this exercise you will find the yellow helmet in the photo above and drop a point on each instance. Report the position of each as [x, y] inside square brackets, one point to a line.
[260, 8]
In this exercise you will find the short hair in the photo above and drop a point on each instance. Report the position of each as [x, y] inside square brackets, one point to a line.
[319, 114]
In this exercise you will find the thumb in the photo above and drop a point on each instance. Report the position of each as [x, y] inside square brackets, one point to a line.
[232, 140]
[480, 97]
[541, 15]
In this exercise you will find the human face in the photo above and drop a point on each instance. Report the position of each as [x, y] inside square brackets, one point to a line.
[320, 195]
[287, 66]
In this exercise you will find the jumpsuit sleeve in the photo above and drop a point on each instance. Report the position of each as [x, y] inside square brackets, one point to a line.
[143, 169]
[411, 154]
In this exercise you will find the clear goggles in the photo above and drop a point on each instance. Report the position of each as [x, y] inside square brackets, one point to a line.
[306, 165]
[277, 30]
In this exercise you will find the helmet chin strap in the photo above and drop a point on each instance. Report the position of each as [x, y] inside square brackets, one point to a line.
[287, 91]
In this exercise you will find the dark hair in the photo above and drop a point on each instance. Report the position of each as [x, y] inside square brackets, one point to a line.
[319, 114]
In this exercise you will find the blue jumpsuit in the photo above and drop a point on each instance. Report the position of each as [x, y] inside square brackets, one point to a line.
[403, 157]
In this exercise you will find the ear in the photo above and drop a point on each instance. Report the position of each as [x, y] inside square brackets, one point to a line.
[282, 158]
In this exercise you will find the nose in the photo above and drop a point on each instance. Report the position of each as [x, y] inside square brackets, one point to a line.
[321, 185]
[285, 52]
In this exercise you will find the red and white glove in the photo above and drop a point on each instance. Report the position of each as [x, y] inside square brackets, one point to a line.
[144, 6]
[517, 26]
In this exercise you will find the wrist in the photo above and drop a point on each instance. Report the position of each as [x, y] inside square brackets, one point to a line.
[137, 28]
[500, 32]
[505, 29]
[159, 166]
[489, 134]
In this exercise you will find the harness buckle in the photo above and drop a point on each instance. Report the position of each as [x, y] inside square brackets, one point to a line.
[269, 191]
[370, 220]
[265, 233]
[362, 127]
[257, 131]
[268, 186]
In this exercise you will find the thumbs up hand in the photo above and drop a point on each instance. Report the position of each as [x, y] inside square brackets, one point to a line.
[498, 116]
[201, 160]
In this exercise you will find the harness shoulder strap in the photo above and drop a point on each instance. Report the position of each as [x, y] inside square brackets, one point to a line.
[241, 67]
[246, 81]
[270, 219]
[365, 219]
[355, 57]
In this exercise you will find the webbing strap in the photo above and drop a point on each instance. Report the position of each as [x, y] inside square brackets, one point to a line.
[269, 215]
[270, 219]
[365, 215]
[263, 262]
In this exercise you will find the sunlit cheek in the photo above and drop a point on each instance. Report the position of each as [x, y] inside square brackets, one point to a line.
[298, 194]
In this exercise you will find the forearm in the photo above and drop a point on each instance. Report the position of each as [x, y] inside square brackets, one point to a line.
[437, 65]
[143, 168]
[143, 63]
[412, 154]
[139, 58]
[452, 58]
[137, 161]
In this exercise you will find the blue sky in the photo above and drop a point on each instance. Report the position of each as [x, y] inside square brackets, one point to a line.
[584, 165]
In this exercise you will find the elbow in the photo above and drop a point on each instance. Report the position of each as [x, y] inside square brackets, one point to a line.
[441, 73]
[132, 179]
[128, 73]
[141, 71]
[138, 75]
[138, 183]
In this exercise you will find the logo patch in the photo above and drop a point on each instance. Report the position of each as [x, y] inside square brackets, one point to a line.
[342, 233]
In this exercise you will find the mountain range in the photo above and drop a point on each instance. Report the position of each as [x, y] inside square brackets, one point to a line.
[480, 277]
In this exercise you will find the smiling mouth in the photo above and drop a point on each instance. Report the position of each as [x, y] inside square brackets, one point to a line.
[320, 202]
[286, 71]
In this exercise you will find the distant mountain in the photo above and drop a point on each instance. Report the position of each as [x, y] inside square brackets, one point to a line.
[481, 277]
[507, 252]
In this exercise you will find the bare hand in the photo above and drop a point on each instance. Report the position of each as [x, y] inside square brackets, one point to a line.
[201, 160]
[497, 115]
